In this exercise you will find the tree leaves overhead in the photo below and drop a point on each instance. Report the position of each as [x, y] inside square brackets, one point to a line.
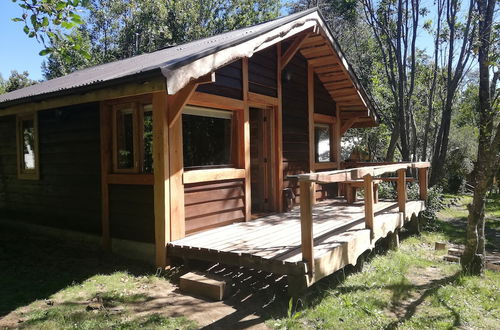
[116, 29]
[50, 22]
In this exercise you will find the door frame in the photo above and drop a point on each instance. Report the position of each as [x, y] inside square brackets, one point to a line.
[270, 126]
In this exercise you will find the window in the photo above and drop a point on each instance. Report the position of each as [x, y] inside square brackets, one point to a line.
[322, 142]
[133, 138]
[207, 137]
[27, 146]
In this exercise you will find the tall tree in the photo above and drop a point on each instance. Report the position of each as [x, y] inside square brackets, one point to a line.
[488, 156]
[17, 80]
[459, 36]
[395, 25]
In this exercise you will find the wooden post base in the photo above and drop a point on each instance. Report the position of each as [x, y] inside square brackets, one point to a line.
[394, 240]
[297, 285]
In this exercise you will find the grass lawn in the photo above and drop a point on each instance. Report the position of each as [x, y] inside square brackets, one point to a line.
[50, 284]
[408, 288]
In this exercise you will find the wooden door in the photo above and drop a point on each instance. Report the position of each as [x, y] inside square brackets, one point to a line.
[260, 162]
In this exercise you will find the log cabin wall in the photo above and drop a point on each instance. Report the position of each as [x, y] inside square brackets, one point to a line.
[67, 195]
[131, 212]
[262, 72]
[295, 121]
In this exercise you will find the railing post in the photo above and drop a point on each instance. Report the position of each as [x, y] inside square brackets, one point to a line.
[369, 214]
[401, 190]
[422, 182]
[306, 223]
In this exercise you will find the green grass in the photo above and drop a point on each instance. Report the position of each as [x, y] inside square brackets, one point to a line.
[51, 284]
[410, 288]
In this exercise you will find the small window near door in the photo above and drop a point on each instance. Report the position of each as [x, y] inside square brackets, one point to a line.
[207, 137]
[27, 140]
[322, 142]
[133, 138]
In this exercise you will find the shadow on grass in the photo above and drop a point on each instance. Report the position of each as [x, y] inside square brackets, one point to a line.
[34, 267]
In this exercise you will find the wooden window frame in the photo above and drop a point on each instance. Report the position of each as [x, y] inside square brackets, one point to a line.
[27, 174]
[138, 109]
[232, 171]
[325, 120]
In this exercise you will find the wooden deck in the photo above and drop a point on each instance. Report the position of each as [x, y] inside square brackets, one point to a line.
[273, 243]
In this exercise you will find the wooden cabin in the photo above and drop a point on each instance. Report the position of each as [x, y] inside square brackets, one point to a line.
[189, 140]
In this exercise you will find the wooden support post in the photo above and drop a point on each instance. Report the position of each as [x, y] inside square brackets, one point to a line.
[310, 112]
[337, 142]
[278, 122]
[422, 182]
[176, 159]
[369, 214]
[306, 223]
[161, 177]
[401, 191]
[105, 117]
[393, 240]
[246, 141]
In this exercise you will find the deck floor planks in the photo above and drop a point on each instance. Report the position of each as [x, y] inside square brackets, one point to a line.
[273, 243]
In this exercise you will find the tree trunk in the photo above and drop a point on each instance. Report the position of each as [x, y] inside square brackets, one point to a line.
[488, 148]
[392, 145]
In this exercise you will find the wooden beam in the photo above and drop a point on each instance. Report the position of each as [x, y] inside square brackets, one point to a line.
[325, 119]
[348, 124]
[306, 223]
[401, 191]
[246, 141]
[338, 136]
[132, 179]
[105, 136]
[278, 122]
[161, 177]
[310, 112]
[108, 93]
[176, 160]
[423, 182]
[181, 98]
[215, 174]
[368, 191]
[215, 101]
[292, 49]
[260, 99]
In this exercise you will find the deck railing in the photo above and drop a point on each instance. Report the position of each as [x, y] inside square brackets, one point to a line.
[366, 174]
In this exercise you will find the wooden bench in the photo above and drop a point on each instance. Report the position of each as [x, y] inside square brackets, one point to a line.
[352, 185]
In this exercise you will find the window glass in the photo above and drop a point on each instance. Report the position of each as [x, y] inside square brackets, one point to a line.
[28, 144]
[322, 142]
[206, 137]
[125, 138]
[147, 138]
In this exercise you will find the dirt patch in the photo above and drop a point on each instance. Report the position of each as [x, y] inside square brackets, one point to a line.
[253, 293]
[422, 280]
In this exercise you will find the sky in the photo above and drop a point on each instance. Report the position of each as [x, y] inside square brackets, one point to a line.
[18, 52]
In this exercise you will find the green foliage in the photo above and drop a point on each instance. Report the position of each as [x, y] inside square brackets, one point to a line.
[50, 22]
[117, 29]
[15, 81]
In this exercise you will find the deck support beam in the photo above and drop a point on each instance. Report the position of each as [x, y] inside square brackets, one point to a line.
[306, 224]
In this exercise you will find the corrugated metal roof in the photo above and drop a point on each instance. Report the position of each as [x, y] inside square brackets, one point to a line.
[169, 58]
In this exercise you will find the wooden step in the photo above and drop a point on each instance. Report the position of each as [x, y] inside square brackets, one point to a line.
[204, 285]
[451, 258]
[455, 252]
